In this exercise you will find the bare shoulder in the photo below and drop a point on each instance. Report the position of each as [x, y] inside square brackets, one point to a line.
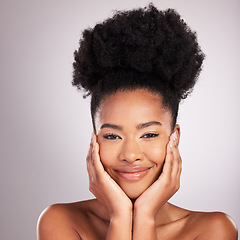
[214, 225]
[62, 221]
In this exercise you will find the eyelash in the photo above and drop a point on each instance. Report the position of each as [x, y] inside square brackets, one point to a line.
[112, 136]
[150, 135]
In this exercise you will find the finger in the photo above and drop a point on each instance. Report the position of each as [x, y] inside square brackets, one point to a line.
[179, 170]
[96, 159]
[177, 163]
[91, 175]
[171, 166]
[89, 161]
[167, 168]
[90, 169]
[89, 155]
[176, 156]
[180, 167]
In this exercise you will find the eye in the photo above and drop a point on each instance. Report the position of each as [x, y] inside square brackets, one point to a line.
[150, 135]
[111, 136]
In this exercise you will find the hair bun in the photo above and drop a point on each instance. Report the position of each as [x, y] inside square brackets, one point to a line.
[147, 41]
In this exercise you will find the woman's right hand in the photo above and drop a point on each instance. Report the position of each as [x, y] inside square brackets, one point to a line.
[105, 189]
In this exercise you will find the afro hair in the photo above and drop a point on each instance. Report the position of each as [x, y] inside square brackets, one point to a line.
[142, 47]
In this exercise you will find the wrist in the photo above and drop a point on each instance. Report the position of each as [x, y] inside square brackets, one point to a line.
[122, 220]
[146, 210]
[122, 214]
[144, 216]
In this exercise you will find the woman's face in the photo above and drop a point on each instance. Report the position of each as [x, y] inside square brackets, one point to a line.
[133, 130]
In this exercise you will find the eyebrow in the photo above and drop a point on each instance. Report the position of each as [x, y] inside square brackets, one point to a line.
[108, 125]
[148, 124]
[139, 126]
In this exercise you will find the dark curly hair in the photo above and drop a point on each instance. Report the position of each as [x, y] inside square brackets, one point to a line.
[141, 48]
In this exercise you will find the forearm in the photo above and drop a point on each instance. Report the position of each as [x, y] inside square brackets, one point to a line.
[120, 228]
[144, 228]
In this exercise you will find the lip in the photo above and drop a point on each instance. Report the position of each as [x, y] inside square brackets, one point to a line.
[132, 173]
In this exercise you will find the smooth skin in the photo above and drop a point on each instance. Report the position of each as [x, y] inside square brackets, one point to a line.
[133, 130]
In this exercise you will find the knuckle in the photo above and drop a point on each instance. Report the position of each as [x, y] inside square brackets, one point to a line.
[177, 185]
[171, 152]
[167, 183]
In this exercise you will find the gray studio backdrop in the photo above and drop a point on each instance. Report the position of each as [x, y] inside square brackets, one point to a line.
[45, 123]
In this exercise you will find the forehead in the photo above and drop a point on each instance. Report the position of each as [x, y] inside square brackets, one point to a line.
[131, 108]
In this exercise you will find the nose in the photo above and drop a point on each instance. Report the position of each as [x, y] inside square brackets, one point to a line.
[130, 151]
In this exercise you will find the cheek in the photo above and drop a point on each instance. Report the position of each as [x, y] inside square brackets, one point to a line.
[156, 152]
[107, 154]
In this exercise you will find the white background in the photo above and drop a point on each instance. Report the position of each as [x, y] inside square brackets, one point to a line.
[45, 125]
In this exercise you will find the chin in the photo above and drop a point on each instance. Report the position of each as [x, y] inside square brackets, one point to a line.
[134, 190]
[134, 196]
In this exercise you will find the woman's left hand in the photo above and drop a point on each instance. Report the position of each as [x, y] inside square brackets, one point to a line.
[164, 187]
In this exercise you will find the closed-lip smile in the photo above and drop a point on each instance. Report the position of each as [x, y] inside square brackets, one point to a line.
[132, 173]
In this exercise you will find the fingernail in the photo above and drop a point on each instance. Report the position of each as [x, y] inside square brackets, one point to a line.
[170, 143]
[92, 134]
[94, 143]
[93, 139]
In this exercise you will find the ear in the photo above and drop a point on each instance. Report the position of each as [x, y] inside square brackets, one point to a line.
[177, 130]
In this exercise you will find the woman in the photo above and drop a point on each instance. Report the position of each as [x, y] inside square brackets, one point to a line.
[137, 66]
